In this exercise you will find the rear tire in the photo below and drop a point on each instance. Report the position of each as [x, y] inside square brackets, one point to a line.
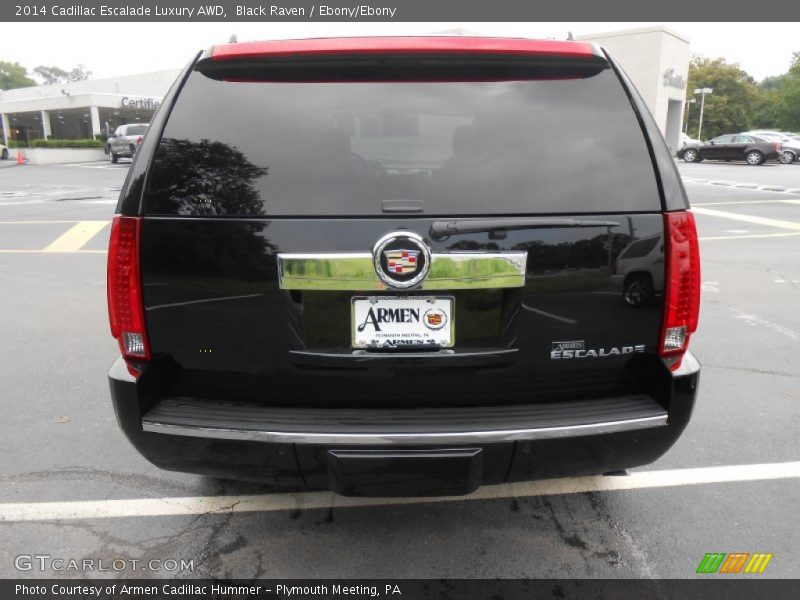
[638, 290]
[112, 158]
[690, 155]
[787, 157]
[754, 158]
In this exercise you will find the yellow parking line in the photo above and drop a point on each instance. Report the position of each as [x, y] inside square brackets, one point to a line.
[747, 218]
[76, 237]
[38, 222]
[49, 252]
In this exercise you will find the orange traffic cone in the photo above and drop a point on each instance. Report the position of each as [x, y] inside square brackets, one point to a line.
[20, 158]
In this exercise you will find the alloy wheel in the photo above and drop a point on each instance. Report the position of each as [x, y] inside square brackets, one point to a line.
[754, 158]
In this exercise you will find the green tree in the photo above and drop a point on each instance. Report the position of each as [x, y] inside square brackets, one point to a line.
[766, 113]
[795, 64]
[731, 107]
[52, 75]
[775, 82]
[78, 73]
[788, 110]
[14, 75]
[788, 104]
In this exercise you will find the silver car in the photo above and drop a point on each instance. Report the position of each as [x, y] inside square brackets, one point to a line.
[790, 143]
[639, 270]
[125, 141]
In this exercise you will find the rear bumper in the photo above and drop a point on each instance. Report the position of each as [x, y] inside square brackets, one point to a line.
[403, 452]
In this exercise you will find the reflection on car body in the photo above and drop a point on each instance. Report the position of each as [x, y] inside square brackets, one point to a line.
[639, 270]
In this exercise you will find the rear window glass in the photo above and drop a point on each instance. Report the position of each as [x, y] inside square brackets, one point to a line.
[136, 129]
[640, 248]
[558, 145]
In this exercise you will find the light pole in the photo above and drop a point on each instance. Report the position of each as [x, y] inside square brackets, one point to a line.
[689, 102]
[702, 92]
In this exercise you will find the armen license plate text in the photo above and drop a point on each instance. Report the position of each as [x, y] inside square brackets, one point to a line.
[391, 322]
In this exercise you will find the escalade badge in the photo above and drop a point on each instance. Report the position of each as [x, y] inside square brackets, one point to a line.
[401, 259]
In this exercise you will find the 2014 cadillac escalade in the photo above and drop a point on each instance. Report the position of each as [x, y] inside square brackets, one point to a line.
[387, 266]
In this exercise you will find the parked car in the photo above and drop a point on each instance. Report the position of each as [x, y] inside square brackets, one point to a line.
[3, 152]
[790, 146]
[125, 141]
[749, 148]
[375, 272]
[685, 140]
[639, 270]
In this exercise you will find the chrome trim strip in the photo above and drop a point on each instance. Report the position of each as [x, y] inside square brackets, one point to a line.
[356, 271]
[444, 437]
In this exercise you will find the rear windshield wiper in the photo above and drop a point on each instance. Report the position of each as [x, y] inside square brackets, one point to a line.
[442, 229]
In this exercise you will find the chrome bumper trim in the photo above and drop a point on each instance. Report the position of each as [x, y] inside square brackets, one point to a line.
[356, 272]
[443, 437]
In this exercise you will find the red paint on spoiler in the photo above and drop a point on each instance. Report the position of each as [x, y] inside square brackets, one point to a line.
[402, 45]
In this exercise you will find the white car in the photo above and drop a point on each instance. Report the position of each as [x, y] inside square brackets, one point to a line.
[684, 141]
[790, 143]
[639, 270]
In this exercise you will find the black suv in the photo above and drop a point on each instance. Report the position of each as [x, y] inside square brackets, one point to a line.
[386, 266]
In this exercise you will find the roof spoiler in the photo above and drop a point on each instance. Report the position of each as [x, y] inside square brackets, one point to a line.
[402, 59]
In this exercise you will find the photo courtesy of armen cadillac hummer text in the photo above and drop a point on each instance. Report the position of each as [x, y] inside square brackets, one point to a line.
[384, 266]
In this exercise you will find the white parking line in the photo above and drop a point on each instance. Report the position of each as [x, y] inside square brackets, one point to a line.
[201, 505]
[747, 218]
[548, 315]
[744, 202]
[747, 236]
[189, 302]
[746, 186]
[96, 165]
[762, 323]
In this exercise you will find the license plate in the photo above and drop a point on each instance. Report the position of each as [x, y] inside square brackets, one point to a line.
[386, 322]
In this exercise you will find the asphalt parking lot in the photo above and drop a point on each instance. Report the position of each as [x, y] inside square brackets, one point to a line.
[72, 486]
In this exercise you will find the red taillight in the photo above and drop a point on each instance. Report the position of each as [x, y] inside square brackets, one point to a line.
[681, 285]
[125, 302]
[139, 140]
[777, 146]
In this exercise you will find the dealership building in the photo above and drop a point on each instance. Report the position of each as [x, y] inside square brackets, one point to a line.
[81, 109]
[657, 61]
[655, 58]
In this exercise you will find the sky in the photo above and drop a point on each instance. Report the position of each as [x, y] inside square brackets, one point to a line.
[761, 49]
